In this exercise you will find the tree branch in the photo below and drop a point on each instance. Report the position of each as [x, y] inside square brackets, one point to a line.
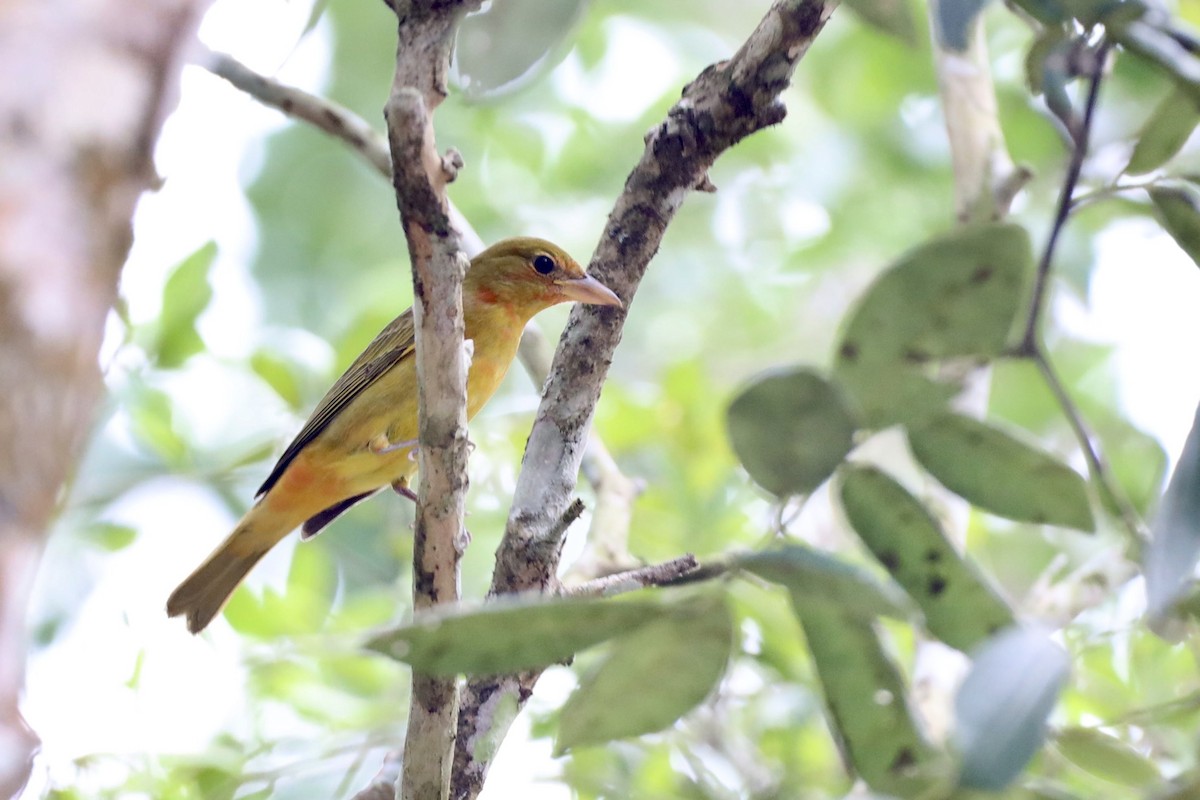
[727, 102]
[662, 574]
[420, 175]
[73, 163]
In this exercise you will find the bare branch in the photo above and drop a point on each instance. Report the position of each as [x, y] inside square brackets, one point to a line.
[655, 575]
[607, 547]
[325, 115]
[727, 102]
[420, 175]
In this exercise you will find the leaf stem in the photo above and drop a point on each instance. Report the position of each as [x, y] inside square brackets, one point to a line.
[1098, 467]
[1078, 154]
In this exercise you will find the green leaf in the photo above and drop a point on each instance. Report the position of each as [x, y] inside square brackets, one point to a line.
[1179, 213]
[110, 536]
[510, 635]
[960, 607]
[894, 17]
[1165, 133]
[888, 394]
[280, 375]
[651, 677]
[506, 46]
[992, 470]
[791, 429]
[1174, 548]
[1003, 704]
[152, 422]
[867, 702]
[822, 579]
[956, 296]
[1157, 46]
[185, 295]
[1107, 757]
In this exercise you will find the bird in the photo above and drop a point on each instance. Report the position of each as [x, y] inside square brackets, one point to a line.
[361, 436]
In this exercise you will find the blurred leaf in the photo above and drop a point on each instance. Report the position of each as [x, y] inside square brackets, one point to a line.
[152, 422]
[185, 295]
[992, 470]
[867, 702]
[1048, 72]
[1003, 704]
[1165, 133]
[110, 536]
[1170, 559]
[1177, 210]
[953, 20]
[823, 578]
[955, 296]
[135, 677]
[651, 677]
[893, 17]
[508, 44]
[1107, 757]
[888, 394]
[1158, 47]
[280, 375]
[960, 607]
[1138, 461]
[791, 429]
[510, 635]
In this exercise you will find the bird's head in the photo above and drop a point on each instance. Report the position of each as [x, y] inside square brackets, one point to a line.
[528, 275]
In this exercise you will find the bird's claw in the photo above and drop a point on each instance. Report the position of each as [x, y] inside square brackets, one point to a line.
[381, 446]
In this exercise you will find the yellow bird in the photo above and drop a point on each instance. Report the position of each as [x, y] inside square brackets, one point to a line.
[359, 438]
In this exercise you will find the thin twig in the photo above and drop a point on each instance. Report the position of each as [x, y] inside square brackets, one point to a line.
[1098, 466]
[655, 575]
[1029, 341]
[1031, 344]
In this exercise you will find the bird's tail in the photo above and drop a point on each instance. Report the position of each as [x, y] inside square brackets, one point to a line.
[203, 593]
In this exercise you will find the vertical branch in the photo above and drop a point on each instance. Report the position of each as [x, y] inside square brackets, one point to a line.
[73, 162]
[420, 175]
[985, 179]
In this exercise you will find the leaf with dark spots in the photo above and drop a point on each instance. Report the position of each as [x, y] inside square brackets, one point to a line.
[956, 296]
[867, 702]
[960, 607]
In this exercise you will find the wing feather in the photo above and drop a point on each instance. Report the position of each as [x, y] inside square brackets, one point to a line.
[393, 344]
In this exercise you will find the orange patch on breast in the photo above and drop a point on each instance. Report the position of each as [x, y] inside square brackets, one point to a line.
[486, 295]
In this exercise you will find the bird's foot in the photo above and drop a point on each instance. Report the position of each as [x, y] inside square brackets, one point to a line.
[401, 488]
[381, 446]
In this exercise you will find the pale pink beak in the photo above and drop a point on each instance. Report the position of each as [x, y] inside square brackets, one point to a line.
[589, 290]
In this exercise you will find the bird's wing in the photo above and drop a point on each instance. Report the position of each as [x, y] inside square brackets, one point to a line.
[393, 344]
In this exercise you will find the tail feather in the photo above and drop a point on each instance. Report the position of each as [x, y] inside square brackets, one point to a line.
[203, 593]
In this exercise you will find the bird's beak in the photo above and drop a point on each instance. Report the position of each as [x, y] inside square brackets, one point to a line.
[589, 290]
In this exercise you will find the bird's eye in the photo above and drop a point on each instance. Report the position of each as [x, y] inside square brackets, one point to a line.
[544, 264]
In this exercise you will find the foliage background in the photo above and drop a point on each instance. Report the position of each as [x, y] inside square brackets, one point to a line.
[220, 351]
